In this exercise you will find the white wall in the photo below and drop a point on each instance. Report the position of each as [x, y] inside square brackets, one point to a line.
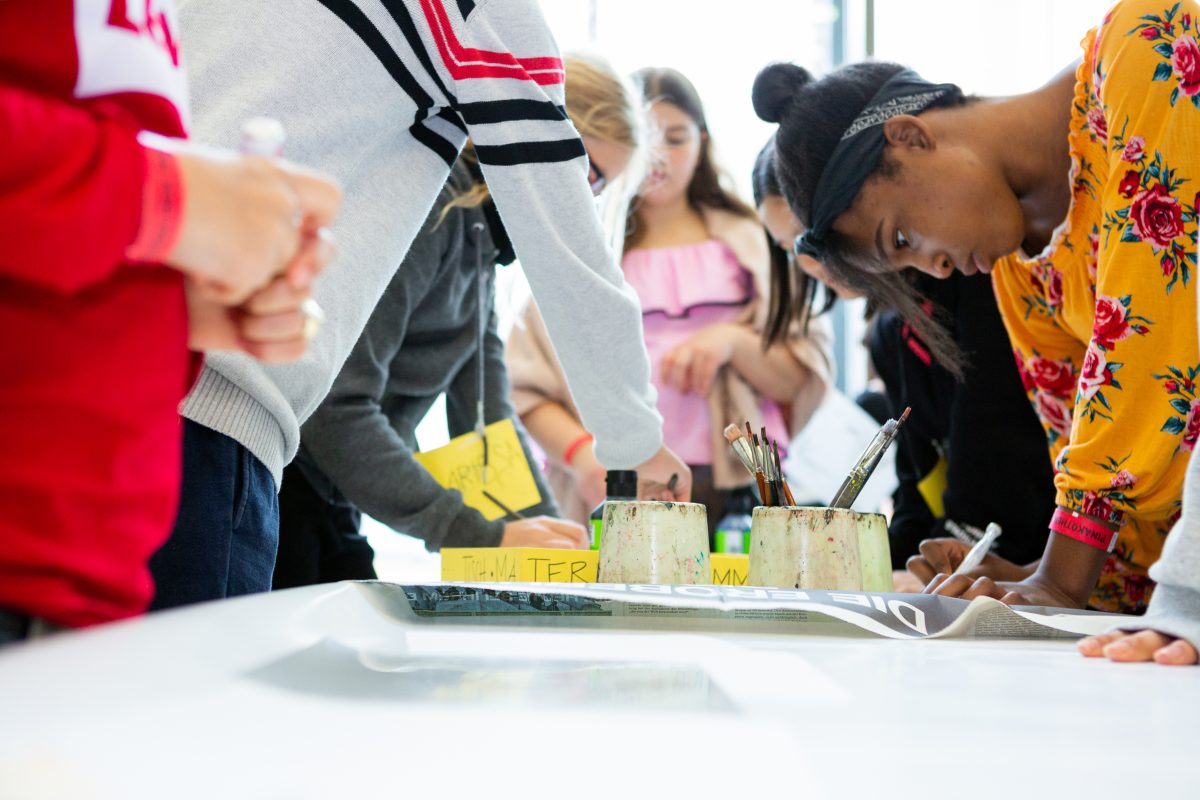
[988, 48]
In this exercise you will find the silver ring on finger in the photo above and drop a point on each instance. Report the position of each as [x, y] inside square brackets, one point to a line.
[314, 317]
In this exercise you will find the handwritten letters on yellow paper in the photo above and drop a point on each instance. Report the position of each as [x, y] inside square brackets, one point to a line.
[524, 564]
[459, 465]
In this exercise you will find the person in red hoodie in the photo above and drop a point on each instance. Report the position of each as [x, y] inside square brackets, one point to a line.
[121, 246]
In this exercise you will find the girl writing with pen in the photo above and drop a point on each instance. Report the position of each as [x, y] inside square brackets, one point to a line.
[1088, 232]
[954, 418]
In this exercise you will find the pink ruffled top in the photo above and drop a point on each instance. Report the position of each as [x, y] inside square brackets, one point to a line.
[683, 290]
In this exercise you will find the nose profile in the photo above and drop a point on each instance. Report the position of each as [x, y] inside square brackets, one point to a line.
[937, 265]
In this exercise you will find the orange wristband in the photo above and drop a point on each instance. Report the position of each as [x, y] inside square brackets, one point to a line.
[1083, 529]
[574, 446]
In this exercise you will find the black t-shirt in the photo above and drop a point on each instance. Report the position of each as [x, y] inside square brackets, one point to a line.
[998, 463]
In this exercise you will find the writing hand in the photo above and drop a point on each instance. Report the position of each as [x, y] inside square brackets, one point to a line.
[1032, 591]
[943, 555]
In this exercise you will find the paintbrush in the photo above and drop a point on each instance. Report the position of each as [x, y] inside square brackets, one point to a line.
[783, 484]
[741, 447]
[752, 443]
[860, 473]
[764, 471]
[768, 465]
[513, 516]
[772, 472]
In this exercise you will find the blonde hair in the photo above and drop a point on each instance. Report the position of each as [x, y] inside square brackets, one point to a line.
[601, 105]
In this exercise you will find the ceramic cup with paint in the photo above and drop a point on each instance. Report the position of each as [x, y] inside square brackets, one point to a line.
[819, 548]
[655, 542]
[874, 551]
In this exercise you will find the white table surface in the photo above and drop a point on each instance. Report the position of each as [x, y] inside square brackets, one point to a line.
[313, 693]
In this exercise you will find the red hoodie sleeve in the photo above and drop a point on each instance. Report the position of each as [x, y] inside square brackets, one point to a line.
[79, 196]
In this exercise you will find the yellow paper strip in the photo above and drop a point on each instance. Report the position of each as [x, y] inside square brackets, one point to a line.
[537, 564]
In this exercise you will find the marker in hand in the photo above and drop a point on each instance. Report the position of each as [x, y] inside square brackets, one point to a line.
[977, 553]
[264, 136]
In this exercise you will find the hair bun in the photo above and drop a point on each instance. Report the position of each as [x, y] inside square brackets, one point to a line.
[775, 87]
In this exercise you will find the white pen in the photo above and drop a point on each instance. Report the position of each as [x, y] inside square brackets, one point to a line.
[977, 553]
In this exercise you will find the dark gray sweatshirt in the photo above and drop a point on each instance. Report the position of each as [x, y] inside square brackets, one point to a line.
[420, 341]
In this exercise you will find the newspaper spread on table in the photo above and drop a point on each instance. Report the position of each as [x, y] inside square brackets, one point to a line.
[736, 608]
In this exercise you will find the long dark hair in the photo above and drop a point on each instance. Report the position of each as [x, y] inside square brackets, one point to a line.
[707, 188]
[812, 116]
[785, 306]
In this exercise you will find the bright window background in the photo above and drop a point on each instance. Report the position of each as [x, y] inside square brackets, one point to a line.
[988, 48]
[993, 47]
[720, 47]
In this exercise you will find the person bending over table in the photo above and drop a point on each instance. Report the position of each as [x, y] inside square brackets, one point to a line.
[954, 417]
[892, 173]
[383, 95]
[434, 330]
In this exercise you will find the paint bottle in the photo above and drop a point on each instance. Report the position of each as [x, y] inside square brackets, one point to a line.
[620, 484]
[733, 530]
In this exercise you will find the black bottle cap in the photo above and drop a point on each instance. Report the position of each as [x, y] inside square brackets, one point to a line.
[741, 501]
[621, 483]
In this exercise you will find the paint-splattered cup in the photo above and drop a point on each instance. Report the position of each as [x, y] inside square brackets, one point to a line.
[819, 548]
[654, 542]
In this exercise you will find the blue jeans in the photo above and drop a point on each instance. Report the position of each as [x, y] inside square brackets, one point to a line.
[227, 530]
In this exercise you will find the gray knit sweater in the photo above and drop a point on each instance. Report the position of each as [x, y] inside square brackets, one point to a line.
[421, 341]
[382, 96]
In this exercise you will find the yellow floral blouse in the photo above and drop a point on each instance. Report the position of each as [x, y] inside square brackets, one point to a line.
[1104, 322]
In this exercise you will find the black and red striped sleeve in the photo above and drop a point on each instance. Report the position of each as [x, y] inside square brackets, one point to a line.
[508, 78]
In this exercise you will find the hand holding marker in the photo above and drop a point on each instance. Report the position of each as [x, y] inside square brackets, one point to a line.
[263, 136]
[976, 554]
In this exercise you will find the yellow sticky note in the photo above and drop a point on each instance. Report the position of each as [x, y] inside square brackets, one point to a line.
[518, 564]
[540, 564]
[730, 569]
[459, 465]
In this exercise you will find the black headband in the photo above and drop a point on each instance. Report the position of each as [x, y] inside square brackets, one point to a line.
[857, 154]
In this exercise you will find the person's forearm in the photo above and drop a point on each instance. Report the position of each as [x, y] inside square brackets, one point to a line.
[63, 169]
[774, 373]
[541, 190]
[1072, 566]
[553, 428]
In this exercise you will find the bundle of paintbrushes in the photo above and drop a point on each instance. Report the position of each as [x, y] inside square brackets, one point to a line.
[760, 457]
